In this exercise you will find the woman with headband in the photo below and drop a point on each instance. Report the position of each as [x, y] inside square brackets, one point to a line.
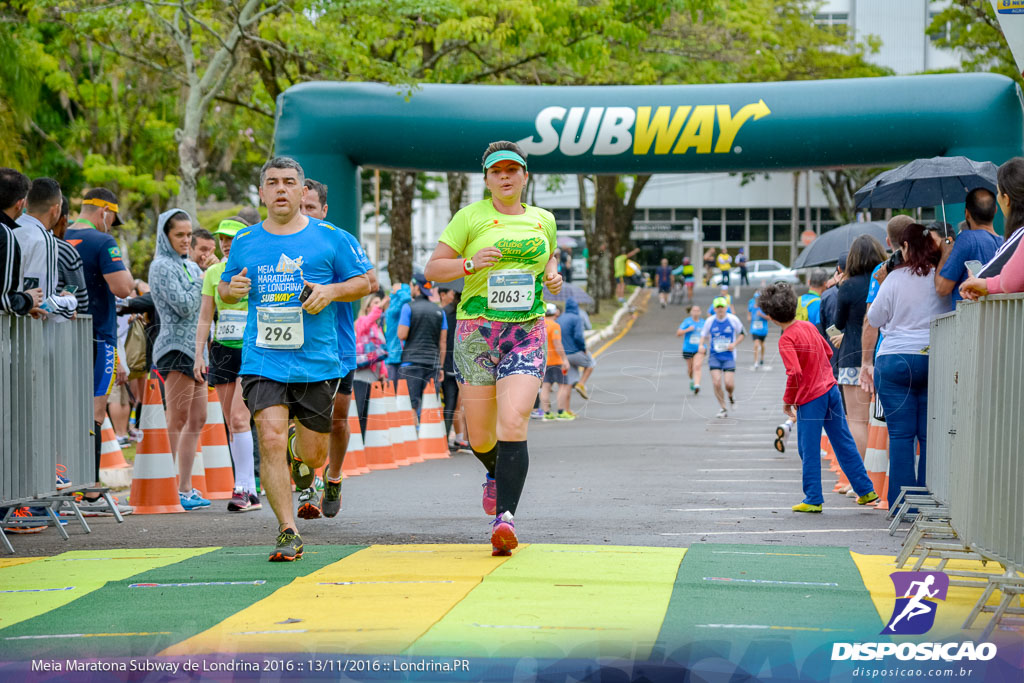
[505, 250]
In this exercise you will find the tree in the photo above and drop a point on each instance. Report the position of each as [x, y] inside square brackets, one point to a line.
[971, 28]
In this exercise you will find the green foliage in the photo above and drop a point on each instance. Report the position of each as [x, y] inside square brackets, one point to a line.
[971, 27]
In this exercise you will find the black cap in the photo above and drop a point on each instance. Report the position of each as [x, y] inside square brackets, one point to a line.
[943, 228]
[101, 196]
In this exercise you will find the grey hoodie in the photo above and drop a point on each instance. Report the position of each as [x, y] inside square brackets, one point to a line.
[177, 284]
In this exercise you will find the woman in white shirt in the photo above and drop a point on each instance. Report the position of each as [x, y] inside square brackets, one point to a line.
[903, 309]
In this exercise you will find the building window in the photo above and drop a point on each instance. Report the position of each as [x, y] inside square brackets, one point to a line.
[938, 31]
[834, 22]
[563, 217]
[759, 252]
[659, 215]
[782, 232]
[735, 233]
[712, 232]
[686, 215]
[759, 232]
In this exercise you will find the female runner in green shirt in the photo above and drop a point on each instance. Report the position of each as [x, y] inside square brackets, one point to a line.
[505, 251]
[225, 362]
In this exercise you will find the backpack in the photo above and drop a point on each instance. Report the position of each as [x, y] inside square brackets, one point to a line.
[804, 303]
[135, 348]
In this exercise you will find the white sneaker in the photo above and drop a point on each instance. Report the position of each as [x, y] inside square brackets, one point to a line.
[753, 368]
[722, 413]
[765, 368]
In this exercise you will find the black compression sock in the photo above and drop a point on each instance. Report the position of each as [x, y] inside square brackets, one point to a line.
[510, 474]
[488, 458]
[97, 443]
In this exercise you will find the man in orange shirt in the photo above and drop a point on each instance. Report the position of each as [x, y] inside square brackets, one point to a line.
[557, 368]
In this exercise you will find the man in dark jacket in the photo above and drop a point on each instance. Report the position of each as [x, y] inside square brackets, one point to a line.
[13, 193]
[449, 386]
[576, 347]
[422, 326]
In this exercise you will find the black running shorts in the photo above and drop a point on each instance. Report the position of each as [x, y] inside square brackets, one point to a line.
[225, 362]
[311, 403]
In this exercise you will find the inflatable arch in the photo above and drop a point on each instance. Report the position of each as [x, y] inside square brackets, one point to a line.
[333, 128]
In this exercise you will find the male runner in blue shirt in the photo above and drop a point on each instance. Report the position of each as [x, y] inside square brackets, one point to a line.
[292, 268]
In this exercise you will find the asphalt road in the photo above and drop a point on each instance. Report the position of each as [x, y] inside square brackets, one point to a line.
[646, 464]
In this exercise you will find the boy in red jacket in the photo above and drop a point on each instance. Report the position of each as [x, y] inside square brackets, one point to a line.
[812, 399]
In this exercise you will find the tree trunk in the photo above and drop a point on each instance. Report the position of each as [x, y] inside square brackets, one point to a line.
[403, 190]
[189, 156]
[607, 237]
[457, 185]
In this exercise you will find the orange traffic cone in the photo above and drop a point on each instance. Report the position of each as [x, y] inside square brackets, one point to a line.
[379, 453]
[828, 454]
[432, 439]
[111, 456]
[407, 424]
[355, 456]
[154, 482]
[876, 458]
[395, 431]
[843, 482]
[220, 478]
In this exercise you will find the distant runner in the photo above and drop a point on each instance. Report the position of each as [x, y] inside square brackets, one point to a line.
[690, 330]
[721, 335]
[758, 331]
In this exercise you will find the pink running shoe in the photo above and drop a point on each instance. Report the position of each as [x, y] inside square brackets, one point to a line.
[503, 535]
[490, 496]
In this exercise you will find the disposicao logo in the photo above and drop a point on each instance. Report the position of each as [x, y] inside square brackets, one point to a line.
[914, 612]
[617, 130]
[914, 615]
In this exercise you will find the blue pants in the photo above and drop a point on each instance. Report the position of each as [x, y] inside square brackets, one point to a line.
[827, 411]
[901, 381]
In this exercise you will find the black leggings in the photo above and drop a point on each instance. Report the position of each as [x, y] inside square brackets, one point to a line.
[450, 389]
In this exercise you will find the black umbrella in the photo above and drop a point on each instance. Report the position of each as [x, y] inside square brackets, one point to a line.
[834, 243]
[927, 182]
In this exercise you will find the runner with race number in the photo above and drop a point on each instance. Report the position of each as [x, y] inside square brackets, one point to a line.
[292, 268]
[504, 249]
[721, 335]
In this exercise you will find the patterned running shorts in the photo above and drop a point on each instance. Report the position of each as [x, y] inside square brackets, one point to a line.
[487, 350]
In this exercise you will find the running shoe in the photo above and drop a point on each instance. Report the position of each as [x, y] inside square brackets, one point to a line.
[869, 497]
[753, 368]
[548, 417]
[254, 501]
[288, 548]
[330, 499]
[490, 496]
[302, 475]
[691, 385]
[565, 416]
[135, 434]
[309, 505]
[783, 430]
[581, 390]
[732, 401]
[503, 535]
[696, 389]
[25, 515]
[462, 446]
[537, 414]
[193, 500]
[239, 501]
[62, 481]
[806, 507]
[97, 508]
[765, 368]
[722, 413]
[780, 445]
[124, 441]
[318, 483]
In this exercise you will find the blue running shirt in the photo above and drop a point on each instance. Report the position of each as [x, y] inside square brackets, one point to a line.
[758, 324]
[691, 339]
[345, 312]
[722, 333]
[277, 264]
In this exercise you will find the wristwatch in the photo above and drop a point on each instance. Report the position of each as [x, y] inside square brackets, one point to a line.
[467, 266]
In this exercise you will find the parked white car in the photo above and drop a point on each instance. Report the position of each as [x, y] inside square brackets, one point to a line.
[760, 273]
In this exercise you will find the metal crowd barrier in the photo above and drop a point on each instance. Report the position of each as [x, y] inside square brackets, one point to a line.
[974, 504]
[46, 378]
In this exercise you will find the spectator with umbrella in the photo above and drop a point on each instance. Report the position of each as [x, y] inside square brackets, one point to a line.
[903, 309]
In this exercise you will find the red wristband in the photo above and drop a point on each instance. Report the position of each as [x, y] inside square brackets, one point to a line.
[466, 270]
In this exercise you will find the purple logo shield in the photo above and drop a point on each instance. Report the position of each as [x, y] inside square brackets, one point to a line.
[914, 612]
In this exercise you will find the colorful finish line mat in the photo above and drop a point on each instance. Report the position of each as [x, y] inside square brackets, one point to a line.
[453, 612]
